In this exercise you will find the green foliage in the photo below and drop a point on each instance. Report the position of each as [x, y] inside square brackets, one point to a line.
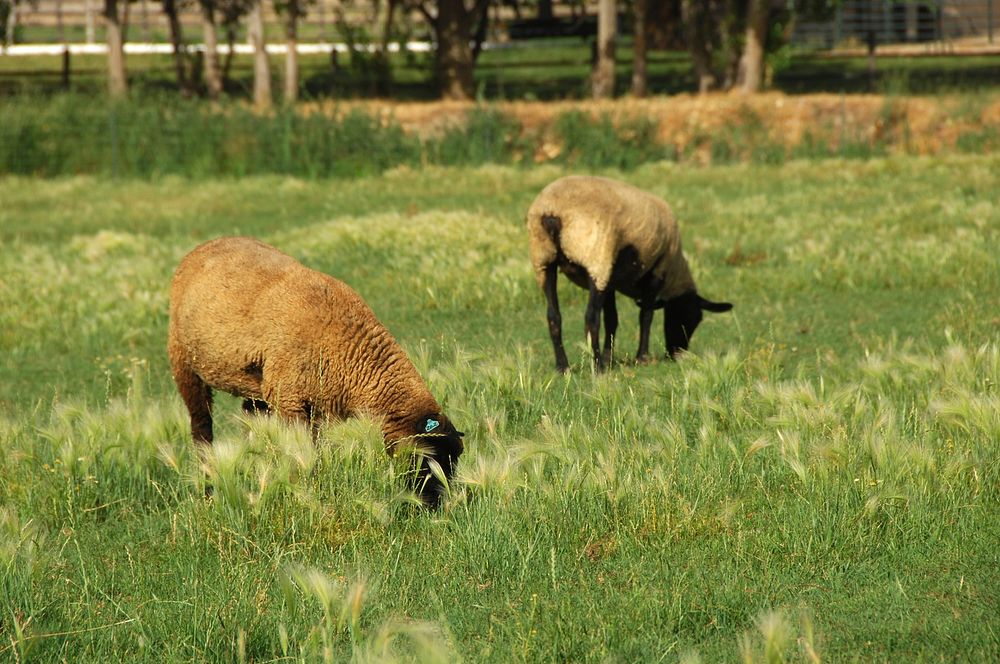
[167, 136]
[154, 137]
[486, 137]
[816, 480]
[602, 143]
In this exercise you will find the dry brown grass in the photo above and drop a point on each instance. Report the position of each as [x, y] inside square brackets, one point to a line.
[922, 125]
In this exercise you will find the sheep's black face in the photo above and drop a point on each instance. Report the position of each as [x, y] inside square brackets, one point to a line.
[440, 442]
[681, 317]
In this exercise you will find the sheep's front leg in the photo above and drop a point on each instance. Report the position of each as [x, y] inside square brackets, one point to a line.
[555, 319]
[645, 322]
[592, 323]
[301, 412]
[290, 406]
[610, 325]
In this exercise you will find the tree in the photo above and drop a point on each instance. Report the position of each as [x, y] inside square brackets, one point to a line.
[9, 12]
[117, 82]
[261, 66]
[210, 33]
[385, 35]
[455, 56]
[603, 76]
[698, 32]
[752, 62]
[171, 8]
[292, 10]
[231, 13]
[639, 46]
[728, 39]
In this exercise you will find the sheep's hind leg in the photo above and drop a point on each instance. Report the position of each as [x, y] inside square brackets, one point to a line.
[197, 396]
[554, 317]
[645, 322]
[592, 323]
[256, 407]
[610, 325]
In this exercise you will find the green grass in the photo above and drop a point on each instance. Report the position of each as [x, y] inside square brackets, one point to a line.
[817, 480]
[162, 135]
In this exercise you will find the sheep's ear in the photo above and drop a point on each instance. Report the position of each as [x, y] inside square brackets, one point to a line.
[716, 307]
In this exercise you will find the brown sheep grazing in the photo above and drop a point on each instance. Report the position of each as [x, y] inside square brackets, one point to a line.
[609, 236]
[250, 320]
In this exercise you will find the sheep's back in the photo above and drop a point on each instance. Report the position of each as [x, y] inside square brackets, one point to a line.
[235, 301]
[239, 306]
[598, 217]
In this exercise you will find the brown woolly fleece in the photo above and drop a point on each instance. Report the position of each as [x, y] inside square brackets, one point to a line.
[250, 320]
[599, 217]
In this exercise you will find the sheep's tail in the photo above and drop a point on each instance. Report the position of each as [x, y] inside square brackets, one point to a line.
[546, 246]
[553, 226]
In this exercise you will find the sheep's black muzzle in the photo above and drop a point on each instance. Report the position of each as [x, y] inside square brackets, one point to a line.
[435, 465]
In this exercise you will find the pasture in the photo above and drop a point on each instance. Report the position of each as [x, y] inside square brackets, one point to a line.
[818, 480]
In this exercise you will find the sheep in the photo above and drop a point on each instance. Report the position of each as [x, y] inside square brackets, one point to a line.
[608, 236]
[250, 320]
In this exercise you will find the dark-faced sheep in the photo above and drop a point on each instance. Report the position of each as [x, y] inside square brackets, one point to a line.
[252, 321]
[607, 236]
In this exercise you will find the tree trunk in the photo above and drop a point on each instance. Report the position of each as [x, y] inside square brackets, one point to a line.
[117, 83]
[481, 16]
[212, 73]
[455, 63]
[8, 37]
[639, 77]
[386, 36]
[544, 9]
[88, 21]
[751, 71]
[230, 26]
[292, 57]
[177, 45]
[383, 72]
[261, 66]
[699, 43]
[603, 76]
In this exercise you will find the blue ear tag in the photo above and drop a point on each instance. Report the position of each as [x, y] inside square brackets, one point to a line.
[431, 425]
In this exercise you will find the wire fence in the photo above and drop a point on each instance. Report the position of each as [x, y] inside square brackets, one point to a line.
[80, 21]
[847, 23]
[945, 25]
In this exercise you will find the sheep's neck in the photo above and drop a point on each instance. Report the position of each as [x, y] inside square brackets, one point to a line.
[678, 279]
[400, 400]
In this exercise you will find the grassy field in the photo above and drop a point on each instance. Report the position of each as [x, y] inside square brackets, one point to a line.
[819, 479]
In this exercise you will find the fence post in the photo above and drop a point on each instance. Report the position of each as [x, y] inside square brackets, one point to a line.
[989, 20]
[113, 129]
[65, 67]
